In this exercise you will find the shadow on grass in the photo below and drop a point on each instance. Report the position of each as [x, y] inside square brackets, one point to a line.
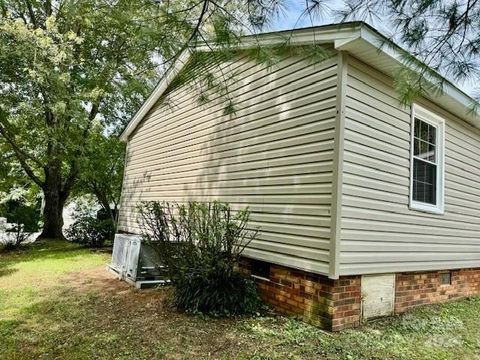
[86, 314]
[55, 252]
[101, 323]
[6, 271]
[8, 327]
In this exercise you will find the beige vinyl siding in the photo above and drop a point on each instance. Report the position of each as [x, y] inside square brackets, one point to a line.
[379, 233]
[274, 155]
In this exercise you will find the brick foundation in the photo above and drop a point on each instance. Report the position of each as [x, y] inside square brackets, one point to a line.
[336, 304]
[330, 304]
[415, 289]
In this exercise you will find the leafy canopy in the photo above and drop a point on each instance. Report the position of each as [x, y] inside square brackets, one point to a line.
[74, 68]
[68, 66]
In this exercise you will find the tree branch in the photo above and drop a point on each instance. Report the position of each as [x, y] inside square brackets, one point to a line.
[199, 21]
[22, 158]
[72, 176]
[16, 148]
[31, 13]
[48, 7]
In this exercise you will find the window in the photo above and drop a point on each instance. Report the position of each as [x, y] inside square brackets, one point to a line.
[446, 278]
[260, 269]
[426, 172]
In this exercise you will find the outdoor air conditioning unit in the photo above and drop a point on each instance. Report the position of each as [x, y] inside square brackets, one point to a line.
[137, 262]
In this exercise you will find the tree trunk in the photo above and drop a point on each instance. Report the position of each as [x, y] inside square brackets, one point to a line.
[53, 215]
[103, 200]
[55, 199]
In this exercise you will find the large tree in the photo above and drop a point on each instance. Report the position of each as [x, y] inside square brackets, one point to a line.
[70, 67]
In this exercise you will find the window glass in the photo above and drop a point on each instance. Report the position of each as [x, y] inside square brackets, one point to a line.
[424, 163]
[424, 182]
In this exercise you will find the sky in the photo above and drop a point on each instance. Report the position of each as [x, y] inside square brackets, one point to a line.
[291, 17]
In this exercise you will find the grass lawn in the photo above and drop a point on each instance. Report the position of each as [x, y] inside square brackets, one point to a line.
[58, 302]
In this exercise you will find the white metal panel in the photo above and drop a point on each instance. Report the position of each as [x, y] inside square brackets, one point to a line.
[378, 295]
[131, 258]
[125, 255]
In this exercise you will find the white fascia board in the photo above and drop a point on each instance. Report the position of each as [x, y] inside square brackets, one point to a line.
[156, 93]
[304, 36]
[296, 37]
[393, 51]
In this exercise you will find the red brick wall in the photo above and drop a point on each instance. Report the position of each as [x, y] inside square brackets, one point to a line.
[347, 302]
[415, 289]
[336, 304]
[331, 304]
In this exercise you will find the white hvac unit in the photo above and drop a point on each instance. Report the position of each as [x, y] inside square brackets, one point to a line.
[137, 262]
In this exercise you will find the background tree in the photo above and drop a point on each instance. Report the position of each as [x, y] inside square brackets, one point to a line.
[20, 200]
[101, 172]
[71, 66]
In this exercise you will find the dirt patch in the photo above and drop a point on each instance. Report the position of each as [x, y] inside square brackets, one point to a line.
[96, 278]
[147, 318]
[106, 284]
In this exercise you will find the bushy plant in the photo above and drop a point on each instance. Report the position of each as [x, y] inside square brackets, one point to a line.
[216, 294]
[91, 232]
[22, 212]
[27, 216]
[201, 244]
[13, 237]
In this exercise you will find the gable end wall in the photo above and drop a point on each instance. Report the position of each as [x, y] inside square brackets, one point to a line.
[275, 155]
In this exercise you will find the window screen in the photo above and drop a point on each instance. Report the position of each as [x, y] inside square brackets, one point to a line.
[425, 163]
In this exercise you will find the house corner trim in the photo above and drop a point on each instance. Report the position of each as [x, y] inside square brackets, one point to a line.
[337, 181]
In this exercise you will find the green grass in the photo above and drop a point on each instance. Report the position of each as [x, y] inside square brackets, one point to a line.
[58, 302]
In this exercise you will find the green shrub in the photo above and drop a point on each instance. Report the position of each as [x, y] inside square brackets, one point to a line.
[216, 294]
[18, 212]
[201, 244]
[91, 232]
[13, 238]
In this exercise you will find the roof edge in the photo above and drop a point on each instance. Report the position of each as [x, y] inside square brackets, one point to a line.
[341, 35]
[327, 34]
[162, 85]
[372, 35]
[461, 103]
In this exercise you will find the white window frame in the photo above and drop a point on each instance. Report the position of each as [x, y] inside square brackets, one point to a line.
[438, 122]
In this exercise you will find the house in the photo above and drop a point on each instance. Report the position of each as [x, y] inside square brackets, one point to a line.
[366, 207]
